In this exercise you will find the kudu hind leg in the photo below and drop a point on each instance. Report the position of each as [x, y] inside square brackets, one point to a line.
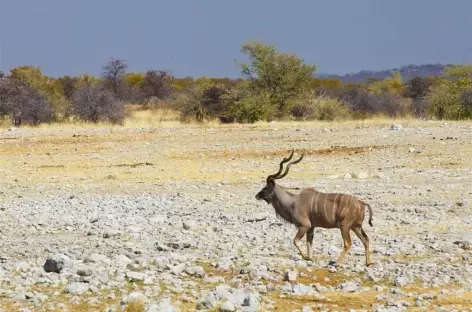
[365, 240]
[309, 242]
[346, 235]
[296, 240]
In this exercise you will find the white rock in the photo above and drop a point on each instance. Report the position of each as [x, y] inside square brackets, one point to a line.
[77, 288]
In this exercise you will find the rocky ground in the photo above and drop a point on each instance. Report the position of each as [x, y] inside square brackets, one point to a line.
[166, 219]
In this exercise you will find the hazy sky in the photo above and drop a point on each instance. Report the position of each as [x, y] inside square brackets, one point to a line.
[203, 37]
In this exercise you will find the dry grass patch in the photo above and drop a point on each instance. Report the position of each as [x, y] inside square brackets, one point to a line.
[337, 300]
[332, 151]
[322, 276]
[135, 306]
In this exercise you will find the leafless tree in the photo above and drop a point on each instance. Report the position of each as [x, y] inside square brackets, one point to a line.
[113, 75]
[96, 104]
[466, 99]
[157, 84]
[24, 104]
[69, 85]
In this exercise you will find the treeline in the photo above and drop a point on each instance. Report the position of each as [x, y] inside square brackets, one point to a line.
[273, 86]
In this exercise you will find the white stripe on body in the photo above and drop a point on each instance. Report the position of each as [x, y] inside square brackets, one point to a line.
[349, 198]
[324, 207]
[312, 197]
[316, 203]
[335, 207]
[341, 206]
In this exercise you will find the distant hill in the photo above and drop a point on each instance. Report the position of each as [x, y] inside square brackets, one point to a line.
[407, 72]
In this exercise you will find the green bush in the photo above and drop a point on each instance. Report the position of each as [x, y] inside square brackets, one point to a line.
[252, 108]
[446, 97]
[312, 107]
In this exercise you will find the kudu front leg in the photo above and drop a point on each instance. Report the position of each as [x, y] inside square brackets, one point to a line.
[296, 241]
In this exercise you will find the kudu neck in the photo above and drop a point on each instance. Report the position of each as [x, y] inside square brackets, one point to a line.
[281, 197]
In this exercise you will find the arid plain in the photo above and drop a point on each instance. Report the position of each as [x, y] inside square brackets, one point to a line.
[166, 218]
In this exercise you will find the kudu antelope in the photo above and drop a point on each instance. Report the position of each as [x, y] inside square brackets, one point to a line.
[310, 209]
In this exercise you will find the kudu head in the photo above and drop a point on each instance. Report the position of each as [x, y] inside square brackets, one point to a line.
[268, 190]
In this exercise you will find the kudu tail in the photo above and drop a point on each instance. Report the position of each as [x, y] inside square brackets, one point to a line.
[370, 213]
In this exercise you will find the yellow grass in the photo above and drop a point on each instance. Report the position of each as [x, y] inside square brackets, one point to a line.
[168, 118]
[135, 306]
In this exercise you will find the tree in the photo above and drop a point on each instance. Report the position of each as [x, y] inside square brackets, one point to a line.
[446, 96]
[33, 77]
[417, 90]
[96, 104]
[24, 104]
[279, 75]
[157, 84]
[113, 75]
[392, 85]
[185, 83]
[325, 85]
[417, 87]
[68, 85]
[134, 80]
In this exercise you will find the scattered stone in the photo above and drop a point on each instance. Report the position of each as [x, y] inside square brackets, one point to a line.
[401, 281]
[189, 225]
[77, 288]
[135, 276]
[197, 271]
[56, 263]
[227, 306]
[225, 264]
[349, 286]
[208, 301]
[396, 127]
[361, 175]
[291, 276]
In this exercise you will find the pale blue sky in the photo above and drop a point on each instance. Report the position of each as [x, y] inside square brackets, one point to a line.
[202, 37]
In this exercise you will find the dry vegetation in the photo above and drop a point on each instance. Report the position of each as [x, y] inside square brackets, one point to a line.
[153, 153]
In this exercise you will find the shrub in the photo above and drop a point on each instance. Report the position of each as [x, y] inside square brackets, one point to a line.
[156, 84]
[389, 104]
[68, 85]
[301, 111]
[251, 108]
[448, 95]
[226, 104]
[213, 101]
[24, 104]
[392, 85]
[48, 87]
[356, 99]
[466, 102]
[189, 105]
[95, 104]
[417, 87]
[312, 107]
[363, 103]
[280, 75]
[419, 107]
[466, 99]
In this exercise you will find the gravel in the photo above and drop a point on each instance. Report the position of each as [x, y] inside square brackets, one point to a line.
[217, 248]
